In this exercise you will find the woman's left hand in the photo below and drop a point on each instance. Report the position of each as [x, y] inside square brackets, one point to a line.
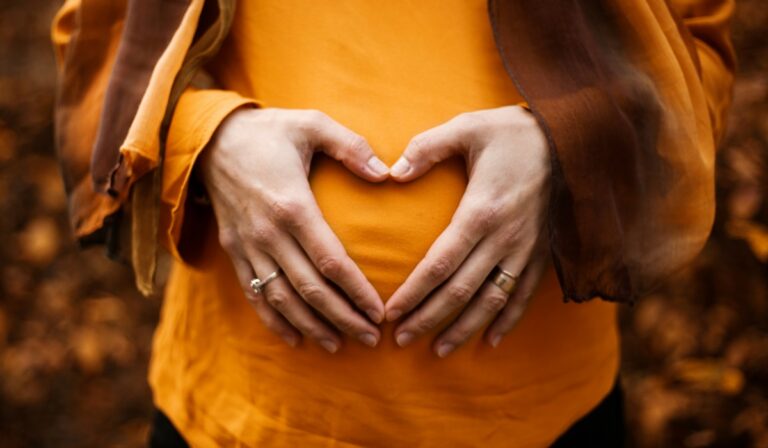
[498, 222]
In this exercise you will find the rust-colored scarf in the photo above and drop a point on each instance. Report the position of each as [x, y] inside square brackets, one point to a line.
[632, 141]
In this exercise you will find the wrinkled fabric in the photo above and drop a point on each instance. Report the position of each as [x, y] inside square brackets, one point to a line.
[111, 97]
[632, 116]
[631, 95]
[116, 93]
[85, 38]
[210, 347]
[149, 30]
[242, 384]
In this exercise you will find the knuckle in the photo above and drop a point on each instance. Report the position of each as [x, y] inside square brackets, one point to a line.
[314, 119]
[269, 321]
[264, 235]
[313, 331]
[286, 210]
[418, 147]
[418, 143]
[470, 122]
[425, 323]
[357, 293]
[277, 299]
[356, 144]
[459, 294]
[251, 297]
[345, 325]
[494, 303]
[409, 302]
[463, 119]
[526, 297]
[228, 240]
[485, 218]
[460, 334]
[312, 293]
[439, 269]
[511, 234]
[466, 237]
[330, 266]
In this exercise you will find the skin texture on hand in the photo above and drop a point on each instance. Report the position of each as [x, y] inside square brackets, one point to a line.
[256, 168]
[255, 171]
[498, 222]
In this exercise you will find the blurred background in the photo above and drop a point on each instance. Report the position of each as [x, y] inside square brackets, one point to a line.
[75, 336]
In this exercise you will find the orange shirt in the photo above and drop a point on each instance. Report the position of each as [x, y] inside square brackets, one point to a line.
[386, 70]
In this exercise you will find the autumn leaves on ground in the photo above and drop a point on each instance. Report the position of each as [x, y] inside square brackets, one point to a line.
[75, 337]
[696, 354]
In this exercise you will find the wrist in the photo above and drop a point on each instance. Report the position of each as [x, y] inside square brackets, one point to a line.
[204, 169]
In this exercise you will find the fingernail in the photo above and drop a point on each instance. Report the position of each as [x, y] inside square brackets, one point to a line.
[329, 345]
[401, 167]
[444, 349]
[495, 341]
[368, 339]
[404, 338]
[377, 166]
[375, 315]
[393, 314]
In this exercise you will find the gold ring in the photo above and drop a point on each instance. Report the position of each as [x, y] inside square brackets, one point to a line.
[505, 280]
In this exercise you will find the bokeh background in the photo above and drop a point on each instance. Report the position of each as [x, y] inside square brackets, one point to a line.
[75, 336]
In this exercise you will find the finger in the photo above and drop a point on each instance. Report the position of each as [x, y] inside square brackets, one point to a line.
[428, 148]
[313, 288]
[454, 295]
[306, 223]
[518, 302]
[269, 316]
[280, 296]
[442, 259]
[486, 305]
[346, 146]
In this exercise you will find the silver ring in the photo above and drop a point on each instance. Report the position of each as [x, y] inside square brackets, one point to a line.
[258, 284]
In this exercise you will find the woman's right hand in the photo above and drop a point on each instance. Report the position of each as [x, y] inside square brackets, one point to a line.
[255, 171]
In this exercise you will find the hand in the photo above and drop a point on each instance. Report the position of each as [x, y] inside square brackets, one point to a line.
[255, 171]
[498, 222]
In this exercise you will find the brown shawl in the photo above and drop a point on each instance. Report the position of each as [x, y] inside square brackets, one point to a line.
[632, 141]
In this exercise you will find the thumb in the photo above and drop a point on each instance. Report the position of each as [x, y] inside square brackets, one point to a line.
[349, 148]
[426, 149]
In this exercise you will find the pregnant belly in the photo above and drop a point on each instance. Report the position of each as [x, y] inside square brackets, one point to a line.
[387, 228]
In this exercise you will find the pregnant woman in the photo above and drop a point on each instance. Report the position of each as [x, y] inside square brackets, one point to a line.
[364, 210]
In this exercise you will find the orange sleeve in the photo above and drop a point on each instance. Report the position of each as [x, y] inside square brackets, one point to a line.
[197, 116]
[709, 24]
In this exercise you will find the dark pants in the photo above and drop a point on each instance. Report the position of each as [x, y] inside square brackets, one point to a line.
[603, 427]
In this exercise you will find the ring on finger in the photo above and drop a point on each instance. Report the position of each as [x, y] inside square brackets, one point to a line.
[258, 284]
[504, 280]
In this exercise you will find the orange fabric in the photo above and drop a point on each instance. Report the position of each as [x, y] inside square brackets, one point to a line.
[140, 151]
[201, 111]
[86, 37]
[709, 23]
[78, 119]
[613, 254]
[387, 72]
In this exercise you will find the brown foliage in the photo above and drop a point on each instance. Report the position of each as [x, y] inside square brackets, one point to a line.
[696, 353]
